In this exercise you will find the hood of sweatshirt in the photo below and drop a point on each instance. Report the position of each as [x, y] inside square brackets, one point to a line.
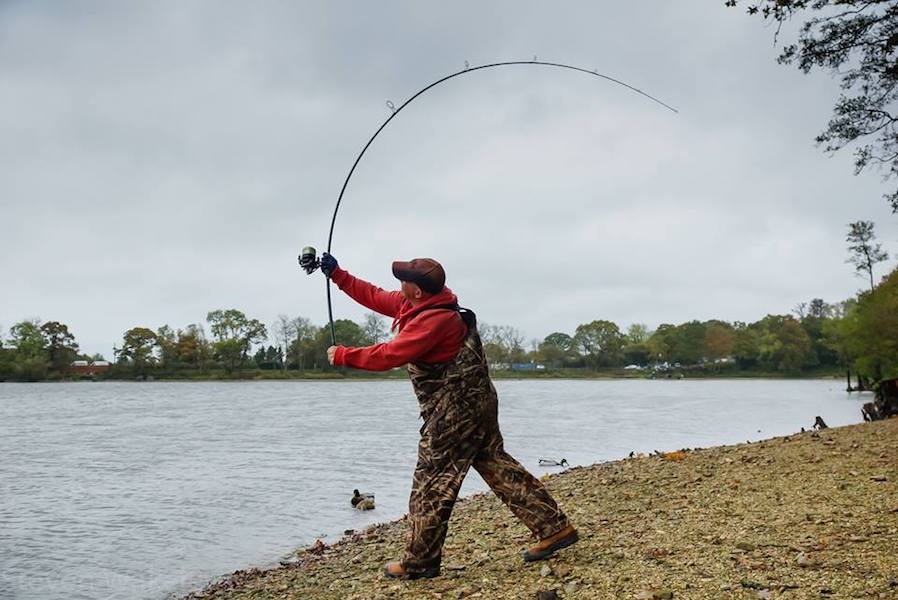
[409, 310]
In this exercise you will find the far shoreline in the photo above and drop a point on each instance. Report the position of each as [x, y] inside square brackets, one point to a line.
[401, 375]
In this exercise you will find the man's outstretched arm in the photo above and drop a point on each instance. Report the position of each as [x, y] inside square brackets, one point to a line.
[415, 340]
[366, 294]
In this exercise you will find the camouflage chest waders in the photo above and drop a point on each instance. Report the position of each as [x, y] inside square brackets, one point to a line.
[459, 407]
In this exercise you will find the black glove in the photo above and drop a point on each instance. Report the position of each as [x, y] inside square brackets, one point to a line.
[328, 264]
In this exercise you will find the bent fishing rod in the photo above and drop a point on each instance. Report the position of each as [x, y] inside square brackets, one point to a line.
[308, 260]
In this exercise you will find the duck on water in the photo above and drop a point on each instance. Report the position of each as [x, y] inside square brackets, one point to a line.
[362, 501]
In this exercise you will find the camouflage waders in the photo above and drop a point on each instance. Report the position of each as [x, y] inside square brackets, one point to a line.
[459, 406]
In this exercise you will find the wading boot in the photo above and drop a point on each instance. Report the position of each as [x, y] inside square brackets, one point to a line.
[547, 547]
[395, 570]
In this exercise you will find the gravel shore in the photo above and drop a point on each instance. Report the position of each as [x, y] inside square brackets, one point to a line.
[811, 515]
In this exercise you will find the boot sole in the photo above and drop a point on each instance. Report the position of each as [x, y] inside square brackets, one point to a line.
[429, 573]
[562, 543]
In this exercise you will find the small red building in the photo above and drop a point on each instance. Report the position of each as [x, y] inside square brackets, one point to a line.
[82, 368]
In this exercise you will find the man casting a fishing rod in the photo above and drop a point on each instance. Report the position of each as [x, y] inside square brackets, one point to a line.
[447, 366]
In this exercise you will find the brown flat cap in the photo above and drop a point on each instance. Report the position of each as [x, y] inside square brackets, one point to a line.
[427, 273]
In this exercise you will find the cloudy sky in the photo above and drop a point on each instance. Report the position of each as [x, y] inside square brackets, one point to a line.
[159, 160]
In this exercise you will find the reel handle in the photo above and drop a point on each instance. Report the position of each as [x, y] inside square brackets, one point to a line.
[308, 260]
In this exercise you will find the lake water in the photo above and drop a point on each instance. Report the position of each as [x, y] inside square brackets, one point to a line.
[146, 490]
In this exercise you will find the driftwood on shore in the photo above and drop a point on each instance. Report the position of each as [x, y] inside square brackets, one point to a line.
[885, 401]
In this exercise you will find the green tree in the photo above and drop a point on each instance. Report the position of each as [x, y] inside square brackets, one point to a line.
[746, 345]
[30, 360]
[557, 349]
[796, 351]
[348, 333]
[268, 358]
[600, 342]
[637, 333]
[60, 345]
[813, 322]
[637, 354]
[234, 334]
[7, 360]
[192, 347]
[137, 349]
[870, 330]
[863, 251]
[818, 309]
[167, 343]
[661, 343]
[719, 340]
[782, 344]
[689, 343]
[637, 350]
[856, 41]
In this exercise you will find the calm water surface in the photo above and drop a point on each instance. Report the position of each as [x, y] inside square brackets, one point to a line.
[145, 490]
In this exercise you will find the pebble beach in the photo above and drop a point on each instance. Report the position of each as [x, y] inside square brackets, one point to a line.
[809, 515]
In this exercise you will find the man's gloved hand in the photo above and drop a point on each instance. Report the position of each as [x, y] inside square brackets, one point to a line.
[328, 264]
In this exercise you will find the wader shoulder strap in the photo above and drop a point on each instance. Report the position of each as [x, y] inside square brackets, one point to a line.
[467, 315]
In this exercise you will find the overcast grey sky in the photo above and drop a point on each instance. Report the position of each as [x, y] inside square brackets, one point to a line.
[159, 160]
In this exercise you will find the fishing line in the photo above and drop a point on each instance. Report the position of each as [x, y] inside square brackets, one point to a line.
[308, 260]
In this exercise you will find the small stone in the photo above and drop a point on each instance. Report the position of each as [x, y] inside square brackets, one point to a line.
[545, 571]
[562, 571]
[348, 531]
[654, 595]
[454, 567]
[656, 553]
[764, 594]
[571, 587]
[318, 547]
[547, 595]
[464, 592]
[746, 546]
[804, 560]
[879, 478]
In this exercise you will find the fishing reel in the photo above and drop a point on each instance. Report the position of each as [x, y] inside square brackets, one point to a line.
[308, 260]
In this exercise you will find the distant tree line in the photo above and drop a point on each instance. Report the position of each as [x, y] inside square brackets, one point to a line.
[860, 334]
[36, 351]
[238, 343]
[786, 343]
[33, 351]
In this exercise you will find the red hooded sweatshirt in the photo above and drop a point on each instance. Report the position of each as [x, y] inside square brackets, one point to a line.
[426, 336]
